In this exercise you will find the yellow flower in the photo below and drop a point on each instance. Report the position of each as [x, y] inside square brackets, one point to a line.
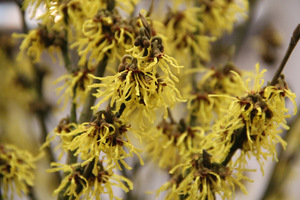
[256, 119]
[62, 132]
[200, 178]
[73, 12]
[106, 135]
[40, 39]
[75, 87]
[105, 33]
[138, 88]
[102, 182]
[219, 16]
[183, 39]
[168, 142]
[204, 109]
[71, 181]
[16, 170]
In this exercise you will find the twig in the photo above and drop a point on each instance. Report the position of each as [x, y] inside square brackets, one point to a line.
[1, 198]
[240, 137]
[85, 116]
[130, 195]
[294, 40]
[31, 194]
[86, 173]
[86, 112]
[171, 116]
[41, 113]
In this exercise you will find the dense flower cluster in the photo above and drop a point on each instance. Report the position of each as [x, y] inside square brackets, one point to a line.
[256, 118]
[144, 81]
[16, 170]
[200, 178]
[75, 87]
[168, 142]
[141, 68]
[100, 182]
[203, 109]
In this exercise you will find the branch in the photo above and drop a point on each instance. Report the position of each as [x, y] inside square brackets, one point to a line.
[294, 40]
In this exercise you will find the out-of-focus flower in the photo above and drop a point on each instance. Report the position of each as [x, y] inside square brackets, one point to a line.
[183, 33]
[105, 33]
[167, 142]
[75, 87]
[204, 109]
[219, 16]
[40, 39]
[16, 170]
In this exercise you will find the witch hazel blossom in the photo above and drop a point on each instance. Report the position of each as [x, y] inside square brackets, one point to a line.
[140, 69]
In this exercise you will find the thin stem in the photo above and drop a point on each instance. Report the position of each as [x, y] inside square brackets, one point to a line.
[240, 137]
[294, 40]
[171, 116]
[38, 84]
[85, 116]
[1, 198]
[86, 112]
[31, 194]
[65, 52]
[86, 173]
[111, 4]
[71, 158]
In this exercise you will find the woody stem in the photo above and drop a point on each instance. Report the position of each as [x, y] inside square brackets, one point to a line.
[294, 40]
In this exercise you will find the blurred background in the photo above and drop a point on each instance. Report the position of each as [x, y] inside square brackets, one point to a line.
[269, 17]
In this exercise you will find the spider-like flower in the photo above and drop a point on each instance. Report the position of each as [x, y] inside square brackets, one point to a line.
[77, 184]
[75, 87]
[200, 178]
[40, 39]
[169, 141]
[106, 136]
[105, 33]
[219, 16]
[138, 88]
[204, 109]
[256, 119]
[182, 30]
[71, 181]
[75, 10]
[103, 181]
[16, 170]
[62, 133]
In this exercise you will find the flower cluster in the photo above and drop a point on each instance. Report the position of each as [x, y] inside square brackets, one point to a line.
[204, 109]
[144, 81]
[16, 170]
[75, 86]
[105, 33]
[168, 142]
[201, 178]
[105, 140]
[255, 119]
[98, 183]
[40, 39]
[141, 68]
